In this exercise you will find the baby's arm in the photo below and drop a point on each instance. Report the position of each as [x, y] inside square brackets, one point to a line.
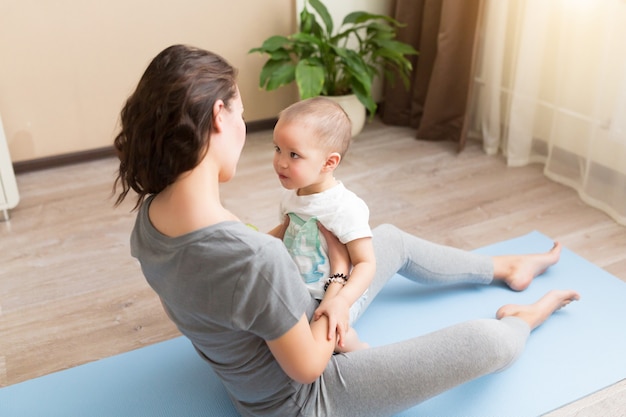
[339, 264]
[364, 266]
[338, 299]
[279, 231]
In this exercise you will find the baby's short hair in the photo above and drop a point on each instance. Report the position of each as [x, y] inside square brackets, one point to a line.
[326, 118]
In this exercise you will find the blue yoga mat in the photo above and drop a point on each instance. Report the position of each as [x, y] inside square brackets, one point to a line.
[578, 351]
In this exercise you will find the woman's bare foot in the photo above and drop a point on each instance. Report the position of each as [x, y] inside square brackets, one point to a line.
[518, 271]
[537, 313]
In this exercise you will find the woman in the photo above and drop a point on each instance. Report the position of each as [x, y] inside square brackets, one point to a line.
[234, 291]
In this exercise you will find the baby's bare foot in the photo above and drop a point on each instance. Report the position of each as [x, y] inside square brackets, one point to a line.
[537, 313]
[518, 271]
[351, 342]
[351, 347]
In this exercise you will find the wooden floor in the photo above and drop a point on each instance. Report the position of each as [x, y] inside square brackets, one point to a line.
[70, 293]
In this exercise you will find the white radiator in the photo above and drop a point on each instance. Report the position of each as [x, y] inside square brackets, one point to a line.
[9, 197]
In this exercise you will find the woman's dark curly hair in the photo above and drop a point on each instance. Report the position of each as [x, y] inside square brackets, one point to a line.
[166, 122]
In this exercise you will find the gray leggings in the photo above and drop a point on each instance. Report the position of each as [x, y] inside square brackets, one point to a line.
[385, 380]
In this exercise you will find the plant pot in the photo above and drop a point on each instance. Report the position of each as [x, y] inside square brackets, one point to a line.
[355, 110]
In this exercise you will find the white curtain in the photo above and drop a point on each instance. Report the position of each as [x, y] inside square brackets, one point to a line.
[550, 87]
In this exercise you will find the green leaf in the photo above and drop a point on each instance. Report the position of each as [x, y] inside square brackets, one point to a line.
[310, 78]
[306, 39]
[275, 74]
[365, 97]
[378, 30]
[360, 61]
[323, 12]
[309, 24]
[280, 55]
[346, 62]
[361, 77]
[356, 18]
[306, 20]
[271, 44]
[396, 46]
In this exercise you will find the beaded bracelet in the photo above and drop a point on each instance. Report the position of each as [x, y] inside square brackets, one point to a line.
[338, 278]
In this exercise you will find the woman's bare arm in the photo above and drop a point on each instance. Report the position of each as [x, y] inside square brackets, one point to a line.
[304, 351]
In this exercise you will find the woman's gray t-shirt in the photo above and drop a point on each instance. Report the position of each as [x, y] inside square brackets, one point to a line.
[229, 288]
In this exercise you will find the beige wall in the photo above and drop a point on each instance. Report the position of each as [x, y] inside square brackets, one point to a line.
[67, 66]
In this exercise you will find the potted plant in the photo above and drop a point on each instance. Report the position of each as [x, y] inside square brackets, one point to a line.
[324, 62]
